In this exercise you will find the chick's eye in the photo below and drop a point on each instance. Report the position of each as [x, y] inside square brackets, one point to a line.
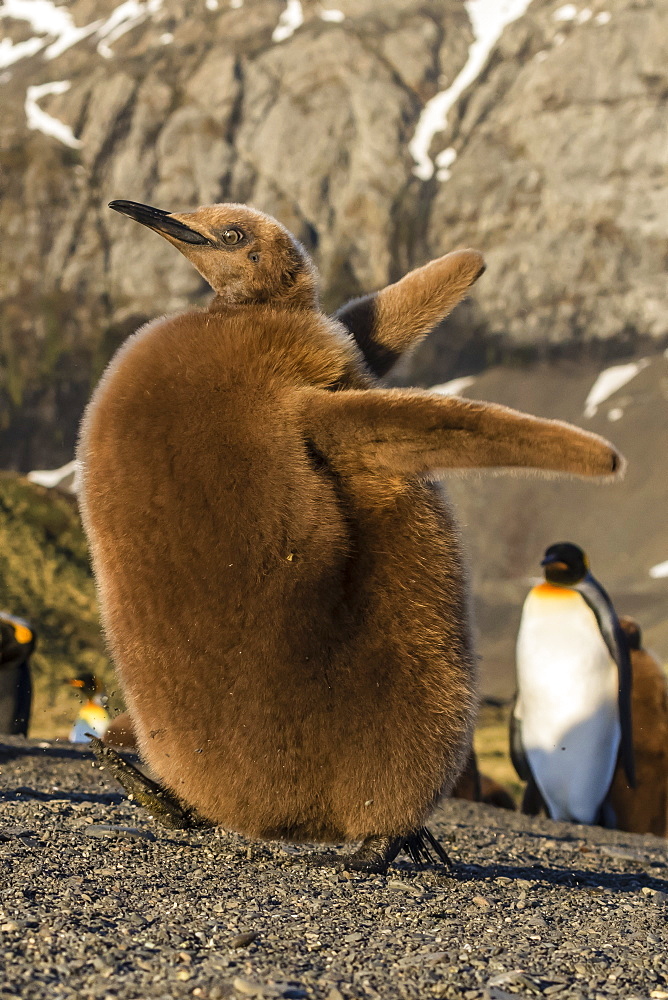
[231, 236]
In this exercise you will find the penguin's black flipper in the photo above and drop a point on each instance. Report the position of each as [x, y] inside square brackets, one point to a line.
[599, 602]
[517, 752]
[533, 803]
[160, 803]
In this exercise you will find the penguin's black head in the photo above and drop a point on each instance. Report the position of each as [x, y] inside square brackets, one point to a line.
[565, 564]
[86, 683]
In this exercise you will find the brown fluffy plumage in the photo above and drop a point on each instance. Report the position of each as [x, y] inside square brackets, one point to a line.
[644, 809]
[281, 588]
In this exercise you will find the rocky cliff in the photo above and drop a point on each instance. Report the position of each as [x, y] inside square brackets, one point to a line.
[381, 134]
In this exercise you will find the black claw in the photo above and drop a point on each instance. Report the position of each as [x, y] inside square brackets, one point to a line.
[163, 805]
[375, 853]
[417, 846]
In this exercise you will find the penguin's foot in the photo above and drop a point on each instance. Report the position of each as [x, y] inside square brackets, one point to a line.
[162, 805]
[377, 852]
[373, 856]
[417, 846]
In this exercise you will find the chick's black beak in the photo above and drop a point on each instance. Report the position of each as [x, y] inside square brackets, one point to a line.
[159, 221]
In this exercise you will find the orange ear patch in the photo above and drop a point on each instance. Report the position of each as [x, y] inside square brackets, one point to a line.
[22, 634]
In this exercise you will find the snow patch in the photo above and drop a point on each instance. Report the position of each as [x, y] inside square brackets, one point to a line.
[39, 120]
[211, 4]
[167, 38]
[609, 382]
[444, 161]
[569, 12]
[66, 477]
[659, 571]
[291, 19]
[488, 20]
[566, 13]
[236, 4]
[603, 17]
[42, 16]
[332, 15]
[46, 19]
[455, 387]
[123, 19]
[11, 53]
[616, 413]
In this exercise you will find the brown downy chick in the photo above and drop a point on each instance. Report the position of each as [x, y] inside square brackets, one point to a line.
[644, 809]
[281, 588]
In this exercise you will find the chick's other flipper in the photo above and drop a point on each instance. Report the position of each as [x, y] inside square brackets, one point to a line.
[162, 804]
[376, 853]
[390, 322]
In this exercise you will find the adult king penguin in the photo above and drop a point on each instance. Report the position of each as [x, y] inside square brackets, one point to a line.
[17, 643]
[281, 588]
[572, 715]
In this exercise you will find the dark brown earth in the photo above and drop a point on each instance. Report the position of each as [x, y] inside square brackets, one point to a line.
[97, 902]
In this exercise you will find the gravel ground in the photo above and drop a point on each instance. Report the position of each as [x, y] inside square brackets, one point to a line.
[532, 908]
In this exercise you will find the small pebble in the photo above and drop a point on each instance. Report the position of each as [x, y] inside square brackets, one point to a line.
[242, 940]
[110, 830]
[246, 986]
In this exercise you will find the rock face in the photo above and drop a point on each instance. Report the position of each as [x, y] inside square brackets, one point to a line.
[556, 151]
[561, 176]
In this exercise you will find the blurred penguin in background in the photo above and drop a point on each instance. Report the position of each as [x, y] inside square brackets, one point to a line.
[644, 809]
[476, 787]
[17, 642]
[572, 716]
[93, 718]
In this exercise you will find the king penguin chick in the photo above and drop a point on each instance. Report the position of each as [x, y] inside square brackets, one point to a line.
[644, 809]
[93, 717]
[281, 587]
[572, 714]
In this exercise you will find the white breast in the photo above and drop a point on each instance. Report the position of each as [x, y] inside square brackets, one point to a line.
[567, 702]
